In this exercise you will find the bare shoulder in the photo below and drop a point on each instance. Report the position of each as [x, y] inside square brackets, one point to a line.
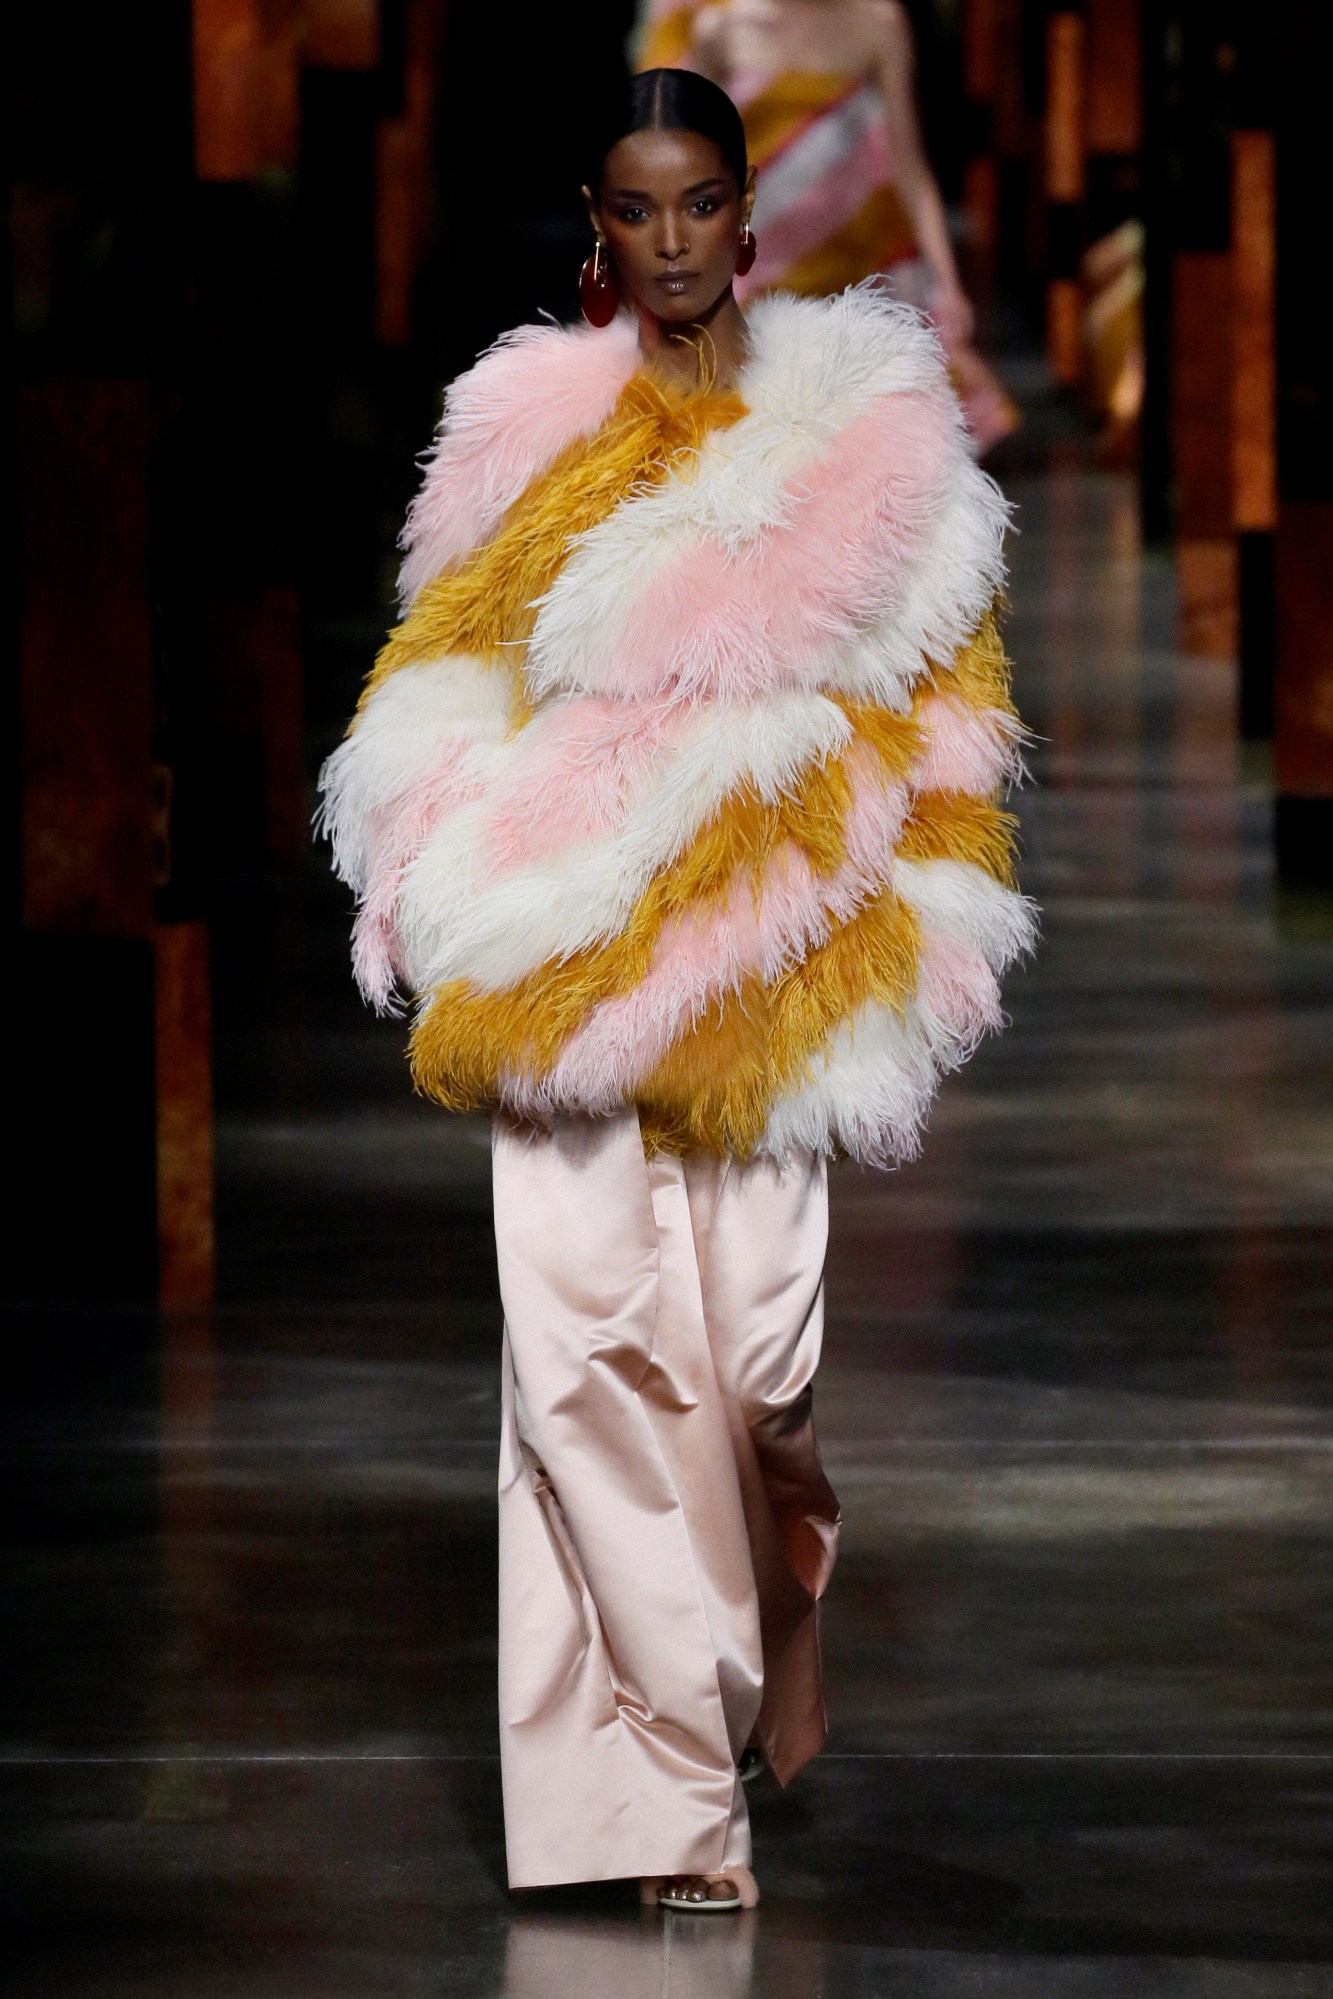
[887, 26]
[718, 21]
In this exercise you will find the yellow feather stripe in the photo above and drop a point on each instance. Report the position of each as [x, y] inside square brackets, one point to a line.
[465, 1038]
[952, 826]
[715, 1088]
[487, 604]
[979, 671]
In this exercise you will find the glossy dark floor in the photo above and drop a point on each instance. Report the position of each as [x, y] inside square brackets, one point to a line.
[1078, 1403]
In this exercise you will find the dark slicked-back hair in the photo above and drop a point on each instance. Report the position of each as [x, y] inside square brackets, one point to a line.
[673, 100]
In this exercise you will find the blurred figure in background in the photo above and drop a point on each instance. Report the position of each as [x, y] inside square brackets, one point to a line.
[1113, 360]
[826, 91]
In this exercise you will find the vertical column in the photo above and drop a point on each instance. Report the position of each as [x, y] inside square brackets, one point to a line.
[82, 1097]
[342, 34]
[246, 613]
[1198, 49]
[981, 186]
[1156, 508]
[1113, 340]
[1017, 107]
[1303, 718]
[404, 178]
[1254, 416]
[100, 155]
[1114, 79]
[1066, 183]
[183, 1022]
[1201, 448]
[246, 95]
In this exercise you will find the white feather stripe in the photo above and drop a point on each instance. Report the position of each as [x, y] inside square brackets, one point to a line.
[412, 720]
[870, 1095]
[897, 591]
[958, 571]
[967, 905]
[816, 364]
[876, 1075]
[456, 920]
[677, 604]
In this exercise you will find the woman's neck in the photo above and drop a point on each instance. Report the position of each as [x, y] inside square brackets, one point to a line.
[706, 352]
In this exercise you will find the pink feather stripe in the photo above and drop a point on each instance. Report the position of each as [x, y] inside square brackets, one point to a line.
[575, 778]
[398, 831]
[761, 929]
[504, 422]
[960, 990]
[720, 625]
[967, 749]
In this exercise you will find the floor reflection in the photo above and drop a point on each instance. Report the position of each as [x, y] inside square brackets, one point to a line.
[689, 1957]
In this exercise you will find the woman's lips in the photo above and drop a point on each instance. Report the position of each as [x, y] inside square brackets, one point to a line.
[676, 281]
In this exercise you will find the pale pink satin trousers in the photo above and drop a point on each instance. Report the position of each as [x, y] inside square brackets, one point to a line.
[666, 1528]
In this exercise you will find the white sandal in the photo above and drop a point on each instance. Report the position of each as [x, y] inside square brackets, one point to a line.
[693, 1894]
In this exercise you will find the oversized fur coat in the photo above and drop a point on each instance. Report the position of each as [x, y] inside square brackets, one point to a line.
[679, 784]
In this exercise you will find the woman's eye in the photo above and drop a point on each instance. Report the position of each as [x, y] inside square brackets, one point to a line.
[707, 204]
[631, 214]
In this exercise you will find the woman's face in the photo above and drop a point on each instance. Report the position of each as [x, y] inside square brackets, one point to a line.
[671, 214]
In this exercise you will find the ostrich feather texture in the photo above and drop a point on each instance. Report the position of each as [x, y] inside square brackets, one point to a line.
[680, 783]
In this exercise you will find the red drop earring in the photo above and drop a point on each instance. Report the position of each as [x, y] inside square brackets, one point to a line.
[599, 294]
[747, 253]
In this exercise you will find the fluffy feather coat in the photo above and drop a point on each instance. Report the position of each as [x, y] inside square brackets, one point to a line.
[706, 820]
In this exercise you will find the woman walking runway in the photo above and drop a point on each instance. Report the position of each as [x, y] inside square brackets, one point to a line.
[673, 802]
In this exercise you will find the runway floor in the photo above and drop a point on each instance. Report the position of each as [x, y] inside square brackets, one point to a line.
[1077, 1403]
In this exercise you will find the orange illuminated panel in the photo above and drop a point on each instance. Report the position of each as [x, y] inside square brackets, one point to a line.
[1254, 378]
[1201, 371]
[1208, 597]
[246, 86]
[226, 49]
[1064, 335]
[278, 82]
[1065, 169]
[1114, 77]
[342, 34]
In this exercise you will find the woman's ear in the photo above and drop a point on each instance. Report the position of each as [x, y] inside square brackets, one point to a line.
[747, 197]
[594, 214]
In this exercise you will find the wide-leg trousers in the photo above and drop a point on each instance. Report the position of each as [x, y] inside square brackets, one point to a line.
[666, 1528]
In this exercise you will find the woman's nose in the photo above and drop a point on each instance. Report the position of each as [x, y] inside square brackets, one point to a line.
[671, 243]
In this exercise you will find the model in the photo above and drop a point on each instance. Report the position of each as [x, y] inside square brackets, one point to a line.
[826, 89]
[673, 804]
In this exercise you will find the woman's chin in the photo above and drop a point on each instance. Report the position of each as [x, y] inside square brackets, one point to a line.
[685, 308]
